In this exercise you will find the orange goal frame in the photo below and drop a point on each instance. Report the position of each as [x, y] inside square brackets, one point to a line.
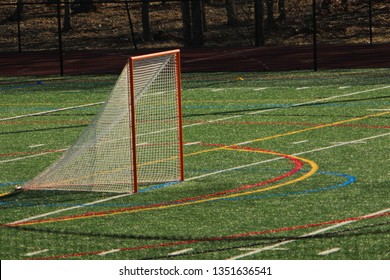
[133, 116]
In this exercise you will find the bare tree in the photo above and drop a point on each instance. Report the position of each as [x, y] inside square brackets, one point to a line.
[186, 19]
[18, 14]
[67, 17]
[270, 13]
[197, 23]
[259, 23]
[282, 10]
[146, 25]
[84, 6]
[231, 14]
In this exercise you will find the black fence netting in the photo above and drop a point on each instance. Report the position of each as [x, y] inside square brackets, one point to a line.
[80, 25]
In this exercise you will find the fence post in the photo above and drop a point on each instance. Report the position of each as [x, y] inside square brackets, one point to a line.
[314, 6]
[60, 47]
[259, 23]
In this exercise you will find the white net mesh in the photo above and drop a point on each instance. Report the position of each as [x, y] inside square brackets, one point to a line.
[102, 158]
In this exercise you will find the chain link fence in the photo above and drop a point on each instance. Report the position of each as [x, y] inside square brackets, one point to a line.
[81, 25]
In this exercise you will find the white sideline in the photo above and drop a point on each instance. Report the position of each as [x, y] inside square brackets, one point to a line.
[67, 209]
[50, 111]
[204, 175]
[290, 106]
[211, 121]
[271, 247]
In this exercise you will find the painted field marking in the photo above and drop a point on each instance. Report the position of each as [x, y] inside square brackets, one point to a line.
[344, 87]
[301, 88]
[31, 156]
[36, 253]
[300, 142]
[378, 109]
[356, 142]
[177, 203]
[275, 249]
[217, 89]
[36, 146]
[288, 106]
[300, 131]
[176, 253]
[70, 208]
[192, 143]
[109, 252]
[226, 237]
[330, 251]
[314, 233]
[213, 173]
[50, 111]
[256, 140]
[258, 89]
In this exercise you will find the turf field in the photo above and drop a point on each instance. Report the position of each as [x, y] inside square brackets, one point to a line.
[291, 165]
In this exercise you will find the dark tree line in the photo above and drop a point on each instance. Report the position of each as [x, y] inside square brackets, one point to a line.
[193, 15]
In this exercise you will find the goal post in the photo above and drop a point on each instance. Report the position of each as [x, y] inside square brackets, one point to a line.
[136, 138]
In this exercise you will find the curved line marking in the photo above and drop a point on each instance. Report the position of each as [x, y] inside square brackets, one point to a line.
[199, 199]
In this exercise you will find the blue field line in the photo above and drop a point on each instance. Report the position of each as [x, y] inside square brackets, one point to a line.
[18, 86]
[349, 179]
[12, 184]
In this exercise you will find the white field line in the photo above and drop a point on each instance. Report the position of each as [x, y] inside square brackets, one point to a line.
[31, 156]
[202, 176]
[109, 252]
[68, 209]
[295, 154]
[291, 106]
[176, 253]
[192, 143]
[36, 253]
[229, 169]
[378, 110]
[210, 121]
[36, 146]
[271, 247]
[330, 251]
[300, 142]
[50, 111]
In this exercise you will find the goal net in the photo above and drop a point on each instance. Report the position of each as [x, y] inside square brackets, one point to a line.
[136, 138]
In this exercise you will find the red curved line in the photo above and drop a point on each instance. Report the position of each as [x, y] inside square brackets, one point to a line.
[298, 165]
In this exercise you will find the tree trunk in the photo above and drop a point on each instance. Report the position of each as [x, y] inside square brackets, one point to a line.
[146, 26]
[85, 6]
[259, 23]
[186, 19]
[270, 13]
[18, 14]
[67, 17]
[197, 23]
[231, 14]
[282, 10]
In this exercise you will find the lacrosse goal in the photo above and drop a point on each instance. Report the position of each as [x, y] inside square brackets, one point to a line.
[136, 138]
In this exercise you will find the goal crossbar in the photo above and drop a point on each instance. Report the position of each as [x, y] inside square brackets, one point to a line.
[136, 138]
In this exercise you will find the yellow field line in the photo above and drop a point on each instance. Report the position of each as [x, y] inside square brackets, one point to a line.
[312, 171]
[295, 132]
